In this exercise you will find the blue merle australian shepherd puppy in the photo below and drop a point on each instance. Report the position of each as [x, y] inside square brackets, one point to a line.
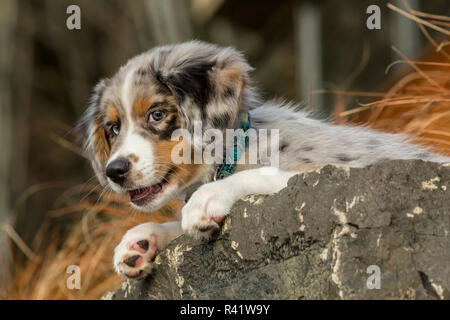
[128, 129]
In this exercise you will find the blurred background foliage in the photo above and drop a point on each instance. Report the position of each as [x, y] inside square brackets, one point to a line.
[301, 50]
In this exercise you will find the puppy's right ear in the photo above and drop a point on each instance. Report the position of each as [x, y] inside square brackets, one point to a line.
[92, 135]
[213, 79]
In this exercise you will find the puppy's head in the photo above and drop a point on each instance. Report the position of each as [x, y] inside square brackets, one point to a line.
[130, 119]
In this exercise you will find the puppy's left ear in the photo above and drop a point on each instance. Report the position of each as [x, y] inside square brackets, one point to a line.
[91, 134]
[213, 84]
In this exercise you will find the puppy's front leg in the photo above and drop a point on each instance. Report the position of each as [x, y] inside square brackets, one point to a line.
[213, 201]
[134, 255]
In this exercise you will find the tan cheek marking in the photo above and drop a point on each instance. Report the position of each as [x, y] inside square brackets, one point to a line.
[101, 146]
[164, 151]
[184, 173]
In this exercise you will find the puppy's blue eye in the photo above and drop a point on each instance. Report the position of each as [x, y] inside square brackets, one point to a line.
[115, 129]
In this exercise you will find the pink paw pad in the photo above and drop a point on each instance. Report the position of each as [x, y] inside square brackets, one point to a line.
[140, 246]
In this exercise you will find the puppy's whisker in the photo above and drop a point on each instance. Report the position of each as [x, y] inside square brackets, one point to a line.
[170, 165]
[167, 167]
[178, 168]
[93, 189]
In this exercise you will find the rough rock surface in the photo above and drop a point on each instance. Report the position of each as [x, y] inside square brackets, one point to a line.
[316, 239]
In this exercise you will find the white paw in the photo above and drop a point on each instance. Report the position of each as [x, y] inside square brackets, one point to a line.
[206, 208]
[134, 255]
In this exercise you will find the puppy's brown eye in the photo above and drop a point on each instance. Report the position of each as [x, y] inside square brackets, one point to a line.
[157, 115]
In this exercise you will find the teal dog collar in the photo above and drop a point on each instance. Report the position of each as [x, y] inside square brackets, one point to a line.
[228, 166]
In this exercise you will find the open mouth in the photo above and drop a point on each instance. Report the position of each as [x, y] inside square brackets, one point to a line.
[141, 196]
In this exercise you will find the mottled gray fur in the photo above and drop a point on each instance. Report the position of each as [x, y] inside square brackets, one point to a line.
[307, 144]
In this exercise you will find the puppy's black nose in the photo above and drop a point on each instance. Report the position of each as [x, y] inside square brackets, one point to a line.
[118, 170]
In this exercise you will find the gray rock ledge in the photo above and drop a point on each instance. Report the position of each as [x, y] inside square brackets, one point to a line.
[316, 239]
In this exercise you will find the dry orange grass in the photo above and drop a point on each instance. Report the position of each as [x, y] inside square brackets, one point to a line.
[417, 104]
[89, 245]
[414, 107]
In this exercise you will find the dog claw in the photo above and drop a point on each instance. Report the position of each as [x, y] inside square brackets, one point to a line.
[205, 229]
